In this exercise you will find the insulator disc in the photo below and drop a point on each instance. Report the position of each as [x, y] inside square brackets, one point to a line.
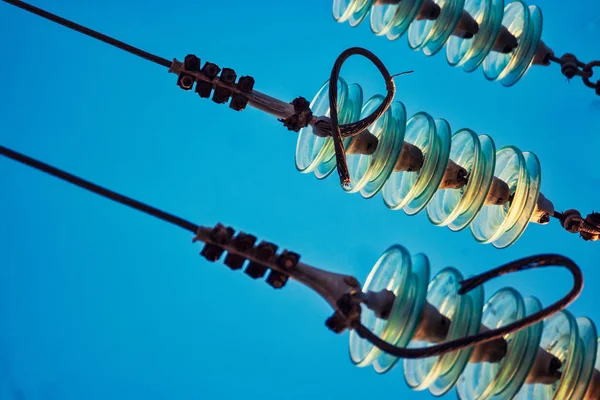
[309, 147]
[393, 20]
[520, 362]
[431, 35]
[493, 220]
[433, 173]
[525, 52]
[406, 313]
[483, 380]
[470, 53]
[496, 65]
[353, 11]
[447, 204]
[530, 200]
[440, 373]
[561, 339]
[390, 272]
[373, 170]
[480, 180]
[403, 186]
[593, 391]
[388, 150]
[312, 150]
[588, 334]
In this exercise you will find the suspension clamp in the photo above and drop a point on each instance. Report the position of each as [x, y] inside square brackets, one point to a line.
[211, 77]
[241, 248]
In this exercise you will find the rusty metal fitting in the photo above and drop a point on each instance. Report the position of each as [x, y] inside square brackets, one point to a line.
[348, 314]
[571, 221]
[239, 101]
[191, 63]
[221, 94]
[263, 252]
[244, 244]
[287, 261]
[277, 280]
[301, 117]
[211, 71]
[593, 234]
[185, 81]
[569, 65]
[588, 69]
[543, 210]
[219, 236]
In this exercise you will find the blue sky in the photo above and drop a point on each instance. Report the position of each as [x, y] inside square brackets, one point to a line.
[98, 301]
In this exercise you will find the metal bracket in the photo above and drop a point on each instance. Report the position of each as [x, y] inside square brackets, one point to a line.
[341, 292]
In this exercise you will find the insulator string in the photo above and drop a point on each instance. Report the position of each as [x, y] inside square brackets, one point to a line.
[486, 361]
[99, 190]
[418, 164]
[534, 262]
[503, 37]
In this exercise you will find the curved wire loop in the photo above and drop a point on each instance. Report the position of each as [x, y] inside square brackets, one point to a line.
[337, 131]
[539, 261]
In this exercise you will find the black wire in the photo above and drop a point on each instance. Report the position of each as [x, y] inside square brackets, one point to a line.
[338, 132]
[90, 32]
[92, 187]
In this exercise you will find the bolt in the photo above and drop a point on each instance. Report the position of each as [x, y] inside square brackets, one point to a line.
[277, 280]
[187, 82]
[228, 75]
[211, 70]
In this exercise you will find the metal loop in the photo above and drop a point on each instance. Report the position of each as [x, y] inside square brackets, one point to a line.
[571, 67]
[588, 68]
